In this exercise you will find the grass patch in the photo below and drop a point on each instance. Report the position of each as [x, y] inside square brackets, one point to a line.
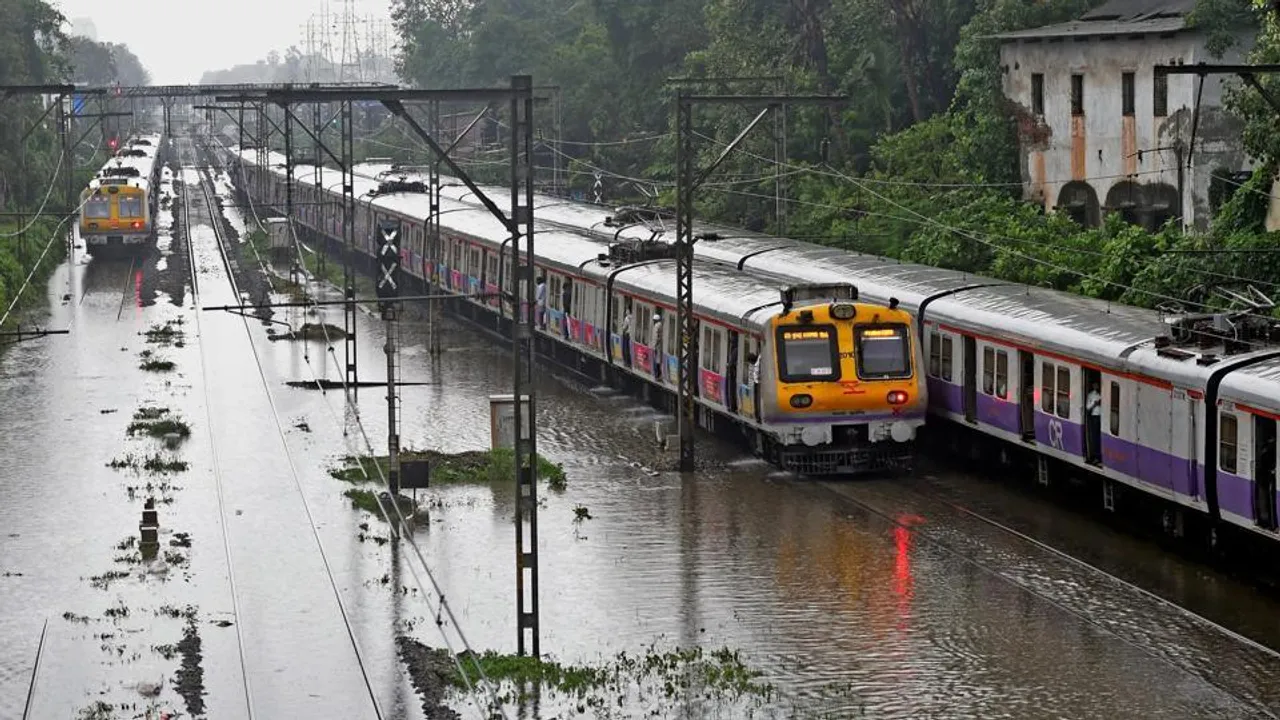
[158, 422]
[152, 363]
[159, 464]
[480, 466]
[170, 333]
[662, 681]
[150, 413]
[365, 500]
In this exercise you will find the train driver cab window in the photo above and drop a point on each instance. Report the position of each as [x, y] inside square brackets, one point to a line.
[1227, 430]
[808, 353]
[883, 352]
[98, 206]
[130, 206]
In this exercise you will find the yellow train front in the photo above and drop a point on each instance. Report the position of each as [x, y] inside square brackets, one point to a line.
[117, 208]
[841, 387]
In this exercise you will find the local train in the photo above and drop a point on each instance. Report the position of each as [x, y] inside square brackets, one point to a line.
[1179, 408]
[118, 208]
[839, 386]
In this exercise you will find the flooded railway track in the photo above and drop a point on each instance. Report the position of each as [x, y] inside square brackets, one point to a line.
[1161, 629]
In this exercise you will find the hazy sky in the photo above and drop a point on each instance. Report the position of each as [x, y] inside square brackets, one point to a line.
[180, 39]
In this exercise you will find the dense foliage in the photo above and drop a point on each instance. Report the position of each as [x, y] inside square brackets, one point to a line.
[33, 51]
[920, 163]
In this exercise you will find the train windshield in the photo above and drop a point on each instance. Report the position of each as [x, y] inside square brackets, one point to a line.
[883, 352]
[130, 207]
[99, 206]
[808, 354]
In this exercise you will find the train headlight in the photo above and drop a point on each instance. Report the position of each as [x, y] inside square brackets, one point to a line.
[897, 397]
[801, 401]
[843, 311]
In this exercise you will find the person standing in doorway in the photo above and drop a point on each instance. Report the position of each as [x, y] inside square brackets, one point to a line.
[626, 334]
[540, 301]
[753, 382]
[1093, 423]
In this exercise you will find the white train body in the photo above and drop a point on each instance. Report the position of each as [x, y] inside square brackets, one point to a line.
[1193, 423]
[735, 313]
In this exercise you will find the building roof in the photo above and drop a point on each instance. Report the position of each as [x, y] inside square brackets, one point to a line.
[1116, 17]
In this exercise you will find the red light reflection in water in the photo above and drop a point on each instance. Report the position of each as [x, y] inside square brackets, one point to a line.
[137, 291]
[903, 582]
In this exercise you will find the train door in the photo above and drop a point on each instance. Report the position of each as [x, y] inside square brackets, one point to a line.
[731, 373]
[1027, 395]
[1091, 414]
[1264, 472]
[970, 379]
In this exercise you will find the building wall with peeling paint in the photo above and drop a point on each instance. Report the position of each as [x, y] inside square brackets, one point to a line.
[1104, 160]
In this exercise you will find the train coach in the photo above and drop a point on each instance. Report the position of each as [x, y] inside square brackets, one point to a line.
[1175, 411]
[118, 208]
[813, 377]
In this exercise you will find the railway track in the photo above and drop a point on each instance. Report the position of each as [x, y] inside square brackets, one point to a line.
[1110, 604]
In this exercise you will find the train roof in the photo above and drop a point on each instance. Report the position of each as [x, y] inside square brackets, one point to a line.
[1257, 385]
[1054, 321]
[730, 297]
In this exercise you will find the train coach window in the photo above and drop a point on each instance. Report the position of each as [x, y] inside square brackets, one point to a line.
[808, 353]
[935, 354]
[1064, 392]
[946, 358]
[883, 352]
[1115, 409]
[988, 370]
[1046, 387]
[1227, 429]
[1002, 374]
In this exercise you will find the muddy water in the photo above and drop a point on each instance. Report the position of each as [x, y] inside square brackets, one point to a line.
[870, 598]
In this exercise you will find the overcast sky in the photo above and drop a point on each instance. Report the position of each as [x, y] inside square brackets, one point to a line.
[181, 39]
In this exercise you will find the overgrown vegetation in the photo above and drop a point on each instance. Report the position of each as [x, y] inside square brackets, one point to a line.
[480, 466]
[921, 164]
[664, 682]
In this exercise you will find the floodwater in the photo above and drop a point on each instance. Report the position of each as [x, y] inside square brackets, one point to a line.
[874, 598]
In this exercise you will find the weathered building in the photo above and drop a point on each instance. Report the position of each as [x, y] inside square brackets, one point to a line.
[1099, 132]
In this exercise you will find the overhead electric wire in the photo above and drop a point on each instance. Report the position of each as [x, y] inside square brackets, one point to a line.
[53, 181]
[442, 606]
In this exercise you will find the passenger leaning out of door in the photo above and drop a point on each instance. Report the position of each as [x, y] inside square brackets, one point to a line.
[626, 335]
[753, 382]
[1093, 423]
[658, 358]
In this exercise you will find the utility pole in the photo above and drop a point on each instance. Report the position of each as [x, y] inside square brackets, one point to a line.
[519, 223]
[687, 182]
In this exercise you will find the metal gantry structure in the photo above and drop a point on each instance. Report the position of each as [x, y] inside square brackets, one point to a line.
[688, 179]
[518, 221]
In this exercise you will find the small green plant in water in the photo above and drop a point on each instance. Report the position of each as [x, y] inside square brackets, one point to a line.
[480, 466]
